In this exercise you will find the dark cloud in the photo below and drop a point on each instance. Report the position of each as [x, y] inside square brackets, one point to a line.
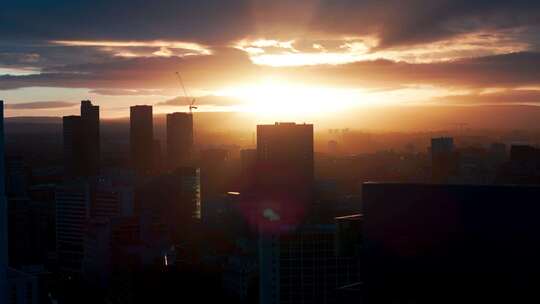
[508, 70]
[232, 67]
[219, 22]
[398, 22]
[125, 92]
[194, 20]
[38, 105]
[42, 55]
[202, 100]
[225, 67]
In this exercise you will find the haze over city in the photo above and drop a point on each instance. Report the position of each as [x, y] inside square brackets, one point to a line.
[269, 151]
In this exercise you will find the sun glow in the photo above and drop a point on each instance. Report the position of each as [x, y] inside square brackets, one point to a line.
[279, 99]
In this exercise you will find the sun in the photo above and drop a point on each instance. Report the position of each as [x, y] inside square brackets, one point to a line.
[277, 99]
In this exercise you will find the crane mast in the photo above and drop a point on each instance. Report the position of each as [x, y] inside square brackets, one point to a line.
[190, 99]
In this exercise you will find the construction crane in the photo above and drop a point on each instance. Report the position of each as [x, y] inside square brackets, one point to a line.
[189, 98]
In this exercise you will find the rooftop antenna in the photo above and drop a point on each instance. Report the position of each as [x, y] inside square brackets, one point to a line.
[190, 99]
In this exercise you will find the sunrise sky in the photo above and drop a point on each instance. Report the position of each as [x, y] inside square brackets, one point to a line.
[270, 58]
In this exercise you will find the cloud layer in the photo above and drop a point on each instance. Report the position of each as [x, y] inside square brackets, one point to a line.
[133, 48]
[39, 105]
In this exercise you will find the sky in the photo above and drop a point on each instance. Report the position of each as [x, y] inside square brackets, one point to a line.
[276, 59]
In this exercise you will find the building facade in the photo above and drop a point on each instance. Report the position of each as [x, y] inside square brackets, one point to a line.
[141, 137]
[179, 139]
[72, 214]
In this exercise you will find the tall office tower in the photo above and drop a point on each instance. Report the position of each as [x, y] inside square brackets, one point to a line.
[285, 168]
[3, 215]
[17, 175]
[90, 138]
[443, 159]
[179, 139]
[305, 265]
[172, 199]
[285, 156]
[214, 178]
[110, 199]
[72, 214]
[72, 133]
[81, 142]
[31, 231]
[141, 136]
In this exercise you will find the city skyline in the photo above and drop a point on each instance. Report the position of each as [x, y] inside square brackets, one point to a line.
[279, 61]
[269, 151]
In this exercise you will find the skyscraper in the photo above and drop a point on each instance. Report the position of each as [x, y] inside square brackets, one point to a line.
[90, 138]
[285, 158]
[3, 215]
[284, 175]
[72, 135]
[179, 139]
[81, 141]
[141, 136]
[304, 266]
[72, 213]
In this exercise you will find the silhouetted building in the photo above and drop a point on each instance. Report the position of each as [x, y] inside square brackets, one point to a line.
[22, 288]
[72, 213]
[179, 139]
[172, 199]
[3, 215]
[285, 168]
[82, 142]
[443, 159]
[157, 157]
[17, 177]
[30, 223]
[445, 243]
[214, 173]
[285, 157]
[72, 135]
[110, 199]
[90, 138]
[303, 266]
[240, 278]
[524, 153]
[141, 136]
[498, 152]
[349, 235]
[523, 167]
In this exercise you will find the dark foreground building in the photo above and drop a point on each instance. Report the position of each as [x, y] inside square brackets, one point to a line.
[82, 142]
[141, 138]
[284, 170]
[285, 157]
[179, 139]
[450, 243]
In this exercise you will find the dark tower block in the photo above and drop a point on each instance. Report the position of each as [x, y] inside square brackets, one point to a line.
[179, 139]
[141, 136]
